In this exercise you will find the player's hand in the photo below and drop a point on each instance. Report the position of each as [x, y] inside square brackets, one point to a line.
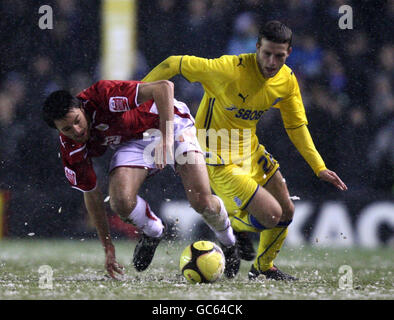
[164, 153]
[332, 177]
[111, 264]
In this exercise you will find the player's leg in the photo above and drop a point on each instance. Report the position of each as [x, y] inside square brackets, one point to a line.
[266, 210]
[265, 213]
[235, 187]
[124, 183]
[195, 180]
[196, 183]
[272, 239]
[193, 171]
[278, 188]
[192, 168]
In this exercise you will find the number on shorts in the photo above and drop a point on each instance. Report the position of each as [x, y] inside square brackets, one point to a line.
[268, 162]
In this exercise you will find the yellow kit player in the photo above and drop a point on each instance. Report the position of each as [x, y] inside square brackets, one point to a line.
[237, 91]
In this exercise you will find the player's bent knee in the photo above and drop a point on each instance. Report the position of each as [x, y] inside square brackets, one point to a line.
[122, 206]
[272, 217]
[202, 204]
[272, 220]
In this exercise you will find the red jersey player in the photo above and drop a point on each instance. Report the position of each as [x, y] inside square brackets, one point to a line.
[148, 129]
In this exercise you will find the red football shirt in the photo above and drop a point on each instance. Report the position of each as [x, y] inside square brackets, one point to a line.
[115, 118]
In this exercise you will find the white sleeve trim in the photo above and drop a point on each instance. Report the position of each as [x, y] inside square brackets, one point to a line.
[136, 95]
[74, 187]
[78, 150]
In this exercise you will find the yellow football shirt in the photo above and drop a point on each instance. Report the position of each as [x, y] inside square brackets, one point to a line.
[236, 97]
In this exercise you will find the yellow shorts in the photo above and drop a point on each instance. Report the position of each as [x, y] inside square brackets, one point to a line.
[236, 184]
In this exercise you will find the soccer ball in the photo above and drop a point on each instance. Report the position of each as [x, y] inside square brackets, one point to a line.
[202, 261]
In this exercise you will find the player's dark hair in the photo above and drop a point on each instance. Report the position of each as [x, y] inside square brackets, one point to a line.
[275, 31]
[57, 105]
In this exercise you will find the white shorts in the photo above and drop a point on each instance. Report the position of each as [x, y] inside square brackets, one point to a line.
[139, 153]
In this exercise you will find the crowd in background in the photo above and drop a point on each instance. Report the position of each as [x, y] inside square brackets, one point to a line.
[345, 76]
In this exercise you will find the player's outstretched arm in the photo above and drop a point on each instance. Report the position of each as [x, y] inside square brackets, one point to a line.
[94, 203]
[162, 92]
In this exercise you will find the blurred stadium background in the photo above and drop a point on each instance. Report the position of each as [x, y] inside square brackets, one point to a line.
[346, 79]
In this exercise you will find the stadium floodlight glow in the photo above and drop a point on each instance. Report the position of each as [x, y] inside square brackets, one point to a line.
[118, 44]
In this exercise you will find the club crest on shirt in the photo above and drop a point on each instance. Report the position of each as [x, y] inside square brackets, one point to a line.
[119, 104]
[238, 201]
[71, 176]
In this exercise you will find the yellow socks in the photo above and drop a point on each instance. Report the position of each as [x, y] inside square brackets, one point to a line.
[271, 241]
